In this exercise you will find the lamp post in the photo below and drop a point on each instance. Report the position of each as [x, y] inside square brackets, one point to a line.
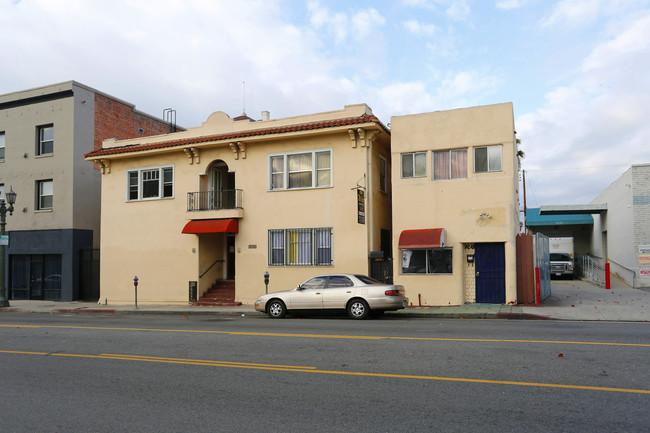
[11, 199]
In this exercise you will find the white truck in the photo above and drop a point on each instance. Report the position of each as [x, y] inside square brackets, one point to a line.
[561, 257]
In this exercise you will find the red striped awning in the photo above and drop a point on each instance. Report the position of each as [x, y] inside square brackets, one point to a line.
[425, 238]
[229, 225]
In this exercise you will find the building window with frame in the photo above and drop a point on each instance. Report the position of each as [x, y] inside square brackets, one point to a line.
[300, 170]
[300, 247]
[414, 164]
[450, 164]
[427, 261]
[383, 174]
[45, 143]
[45, 198]
[2, 145]
[487, 158]
[2, 191]
[150, 183]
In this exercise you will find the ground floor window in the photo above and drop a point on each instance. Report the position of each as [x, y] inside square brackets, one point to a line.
[426, 261]
[35, 276]
[300, 247]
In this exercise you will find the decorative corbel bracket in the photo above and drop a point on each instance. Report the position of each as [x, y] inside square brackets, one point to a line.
[353, 137]
[104, 165]
[372, 135]
[193, 154]
[362, 137]
[188, 153]
[242, 149]
[235, 149]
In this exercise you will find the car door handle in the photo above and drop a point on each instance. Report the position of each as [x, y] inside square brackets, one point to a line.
[318, 293]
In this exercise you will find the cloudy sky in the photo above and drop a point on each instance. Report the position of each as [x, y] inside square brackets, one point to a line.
[577, 71]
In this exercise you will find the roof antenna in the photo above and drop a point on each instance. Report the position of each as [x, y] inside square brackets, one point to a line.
[244, 98]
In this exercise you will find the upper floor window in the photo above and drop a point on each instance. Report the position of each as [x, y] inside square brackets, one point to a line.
[300, 247]
[414, 164]
[2, 145]
[45, 198]
[297, 170]
[150, 183]
[487, 158]
[45, 144]
[383, 174]
[450, 164]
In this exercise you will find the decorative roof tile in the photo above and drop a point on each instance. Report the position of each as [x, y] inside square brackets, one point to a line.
[366, 118]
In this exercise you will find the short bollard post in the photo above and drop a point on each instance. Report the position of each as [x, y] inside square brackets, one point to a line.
[608, 281]
[135, 284]
[266, 281]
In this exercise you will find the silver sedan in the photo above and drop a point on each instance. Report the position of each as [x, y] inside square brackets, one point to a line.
[358, 295]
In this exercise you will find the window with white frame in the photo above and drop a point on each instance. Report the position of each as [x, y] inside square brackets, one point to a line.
[414, 164]
[150, 183]
[45, 198]
[450, 164]
[45, 140]
[426, 261]
[298, 170]
[487, 158]
[2, 145]
[383, 174]
[300, 247]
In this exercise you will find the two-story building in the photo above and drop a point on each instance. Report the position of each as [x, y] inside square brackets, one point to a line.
[44, 134]
[235, 198]
[455, 205]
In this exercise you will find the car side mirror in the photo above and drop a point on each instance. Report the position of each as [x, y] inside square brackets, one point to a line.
[300, 288]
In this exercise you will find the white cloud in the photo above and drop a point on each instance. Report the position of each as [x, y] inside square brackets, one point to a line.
[359, 25]
[419, 29]
[572, 12]
[510, 4]
[590, 131]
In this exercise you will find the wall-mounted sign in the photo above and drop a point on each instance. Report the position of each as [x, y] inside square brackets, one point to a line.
[361, 206]
[4, 240]
[644, 254]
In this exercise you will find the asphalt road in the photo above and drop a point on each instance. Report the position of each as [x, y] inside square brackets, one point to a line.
[320, 374]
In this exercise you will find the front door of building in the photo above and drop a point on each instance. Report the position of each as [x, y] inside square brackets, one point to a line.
[35, 276]
[230, 261]
[490, 267]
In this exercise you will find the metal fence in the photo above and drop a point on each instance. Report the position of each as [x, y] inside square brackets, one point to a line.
[215, 200]
[589, 268]
[543, 262]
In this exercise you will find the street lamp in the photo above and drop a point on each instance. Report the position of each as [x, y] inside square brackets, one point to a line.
[11, 199]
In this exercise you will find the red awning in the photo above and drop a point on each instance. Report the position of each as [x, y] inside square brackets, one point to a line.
[212, 226]
[426, 238]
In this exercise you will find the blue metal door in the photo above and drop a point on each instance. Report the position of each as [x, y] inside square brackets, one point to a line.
[490, 265]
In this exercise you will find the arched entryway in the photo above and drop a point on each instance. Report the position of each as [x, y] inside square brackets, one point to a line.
[221, 186]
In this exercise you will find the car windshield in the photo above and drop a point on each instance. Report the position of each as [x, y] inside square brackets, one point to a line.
[560, 257]
[367, 280]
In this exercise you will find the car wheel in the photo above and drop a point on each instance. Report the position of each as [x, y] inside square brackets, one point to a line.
[276, 309]
[358, 309]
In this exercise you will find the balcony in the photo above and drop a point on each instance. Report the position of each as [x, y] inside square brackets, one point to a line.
[226, 203]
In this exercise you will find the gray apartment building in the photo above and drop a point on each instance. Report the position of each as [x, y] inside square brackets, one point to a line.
[54, 230]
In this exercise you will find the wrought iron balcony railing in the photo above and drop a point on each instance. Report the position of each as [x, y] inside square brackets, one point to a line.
[215, 200]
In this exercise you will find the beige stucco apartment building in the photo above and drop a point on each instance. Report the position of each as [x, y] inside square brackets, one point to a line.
[455, 205]
[235, 198]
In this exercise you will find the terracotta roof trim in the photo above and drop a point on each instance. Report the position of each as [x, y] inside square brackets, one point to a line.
[366, 118]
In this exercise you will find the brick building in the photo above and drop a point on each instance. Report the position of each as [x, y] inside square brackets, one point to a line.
[44, 133]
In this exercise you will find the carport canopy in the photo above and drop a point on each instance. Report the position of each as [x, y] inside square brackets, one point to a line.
[226, 225]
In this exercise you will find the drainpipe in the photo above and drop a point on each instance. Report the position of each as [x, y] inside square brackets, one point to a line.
[369, 185]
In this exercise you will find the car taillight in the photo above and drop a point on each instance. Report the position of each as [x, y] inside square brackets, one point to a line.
[391, 292]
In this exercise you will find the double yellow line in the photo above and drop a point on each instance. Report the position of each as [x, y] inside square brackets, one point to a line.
[307, 369]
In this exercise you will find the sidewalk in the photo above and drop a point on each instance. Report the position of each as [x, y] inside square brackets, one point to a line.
[569, 300]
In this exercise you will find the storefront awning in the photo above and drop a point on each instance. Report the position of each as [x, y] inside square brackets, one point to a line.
[229, 225]
[426, 238]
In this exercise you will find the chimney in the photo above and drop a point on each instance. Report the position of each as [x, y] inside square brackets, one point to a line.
[266, 115]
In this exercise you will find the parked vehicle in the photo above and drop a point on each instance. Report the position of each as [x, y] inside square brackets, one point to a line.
[358, 295]
[562, 257]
